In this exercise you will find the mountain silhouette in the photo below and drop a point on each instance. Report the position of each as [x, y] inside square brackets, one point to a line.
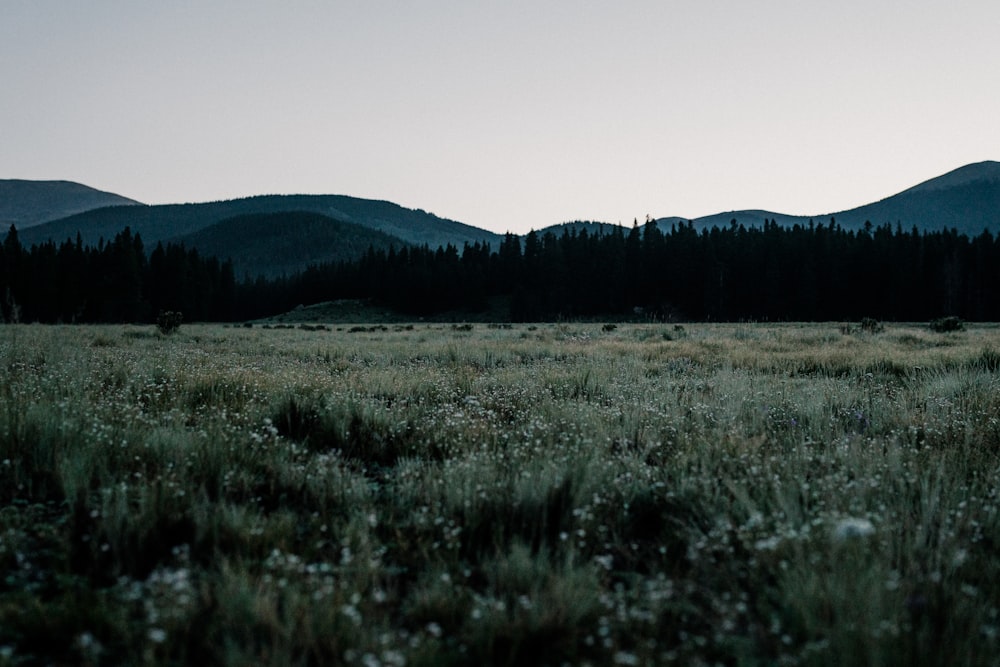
[275, 244]
[966, 199]
[169, 222]
[29, 203]
[276, 234]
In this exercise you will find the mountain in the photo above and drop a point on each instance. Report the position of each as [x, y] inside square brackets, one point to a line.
[576, 226]
[966, 199]
[272, 244]
[30, 203]
[272, 234]
[173, 221]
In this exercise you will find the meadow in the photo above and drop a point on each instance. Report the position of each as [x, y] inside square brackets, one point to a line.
[432, 494]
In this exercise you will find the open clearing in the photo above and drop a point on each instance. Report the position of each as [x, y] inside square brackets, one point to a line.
[434, 494]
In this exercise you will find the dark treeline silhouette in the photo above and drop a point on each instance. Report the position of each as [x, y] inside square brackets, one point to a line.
[814, 272]
[111, 282]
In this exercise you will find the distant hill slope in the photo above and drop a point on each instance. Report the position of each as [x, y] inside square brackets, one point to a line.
[272, 244]
[750, 218]
[576, 226]
[172, 221]
[29, 203]
[966, 199]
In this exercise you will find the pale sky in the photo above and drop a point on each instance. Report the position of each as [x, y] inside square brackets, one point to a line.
[508, 115]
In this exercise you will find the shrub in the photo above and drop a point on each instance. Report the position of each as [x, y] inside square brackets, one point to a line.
[871, 325]
[947, 324]
[169, 321]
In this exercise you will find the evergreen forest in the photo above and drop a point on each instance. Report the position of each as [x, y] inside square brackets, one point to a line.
[817, 272]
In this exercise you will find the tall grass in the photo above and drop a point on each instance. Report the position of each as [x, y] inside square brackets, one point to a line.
[527, 495]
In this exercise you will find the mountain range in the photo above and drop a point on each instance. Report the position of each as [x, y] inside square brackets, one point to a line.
[275, 234]
[274, 244]
[29, 203]
[233, 229]
[966, 199]
[172, 222]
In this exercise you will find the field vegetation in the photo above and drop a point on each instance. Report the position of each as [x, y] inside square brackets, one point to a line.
[547, 494]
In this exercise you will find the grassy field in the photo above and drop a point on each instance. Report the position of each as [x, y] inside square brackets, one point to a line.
[551, 494]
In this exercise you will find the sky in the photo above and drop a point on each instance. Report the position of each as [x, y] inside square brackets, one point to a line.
[508, 115]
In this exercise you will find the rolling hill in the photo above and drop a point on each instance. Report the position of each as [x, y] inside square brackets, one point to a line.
[272, 244]
[174, 221]
[26, 204]
[966, 199]
[577, 226]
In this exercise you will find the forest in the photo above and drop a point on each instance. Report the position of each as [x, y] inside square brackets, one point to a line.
[818, 272]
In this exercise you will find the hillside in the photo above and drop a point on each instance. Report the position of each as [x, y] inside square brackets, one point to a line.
[578, 226]
[966, 199]
[173, 221]
[273, 244]
[26, 203]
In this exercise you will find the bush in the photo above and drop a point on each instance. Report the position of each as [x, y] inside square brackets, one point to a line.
[871, 325]
[169, 321]
[947, 324]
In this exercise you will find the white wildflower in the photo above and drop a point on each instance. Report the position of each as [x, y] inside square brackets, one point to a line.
[768, 544]
[624, 658]
[853, 528]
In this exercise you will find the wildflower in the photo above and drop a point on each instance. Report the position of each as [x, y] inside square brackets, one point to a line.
[768, 544]
[89, 645]
[157, 635]
[390, 657]
[351, 612]
[853, 528]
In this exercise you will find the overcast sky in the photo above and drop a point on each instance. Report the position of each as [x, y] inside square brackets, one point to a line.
[507, 115]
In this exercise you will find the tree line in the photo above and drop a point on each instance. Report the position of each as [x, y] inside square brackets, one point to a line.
[804, 272]
[117, 281]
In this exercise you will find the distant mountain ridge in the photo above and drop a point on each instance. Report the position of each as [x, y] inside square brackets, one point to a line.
[341, 227]
[26, 203]
[977, 172]
[966, 199]
[276, 244]
[577, 226]
[168, 222]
